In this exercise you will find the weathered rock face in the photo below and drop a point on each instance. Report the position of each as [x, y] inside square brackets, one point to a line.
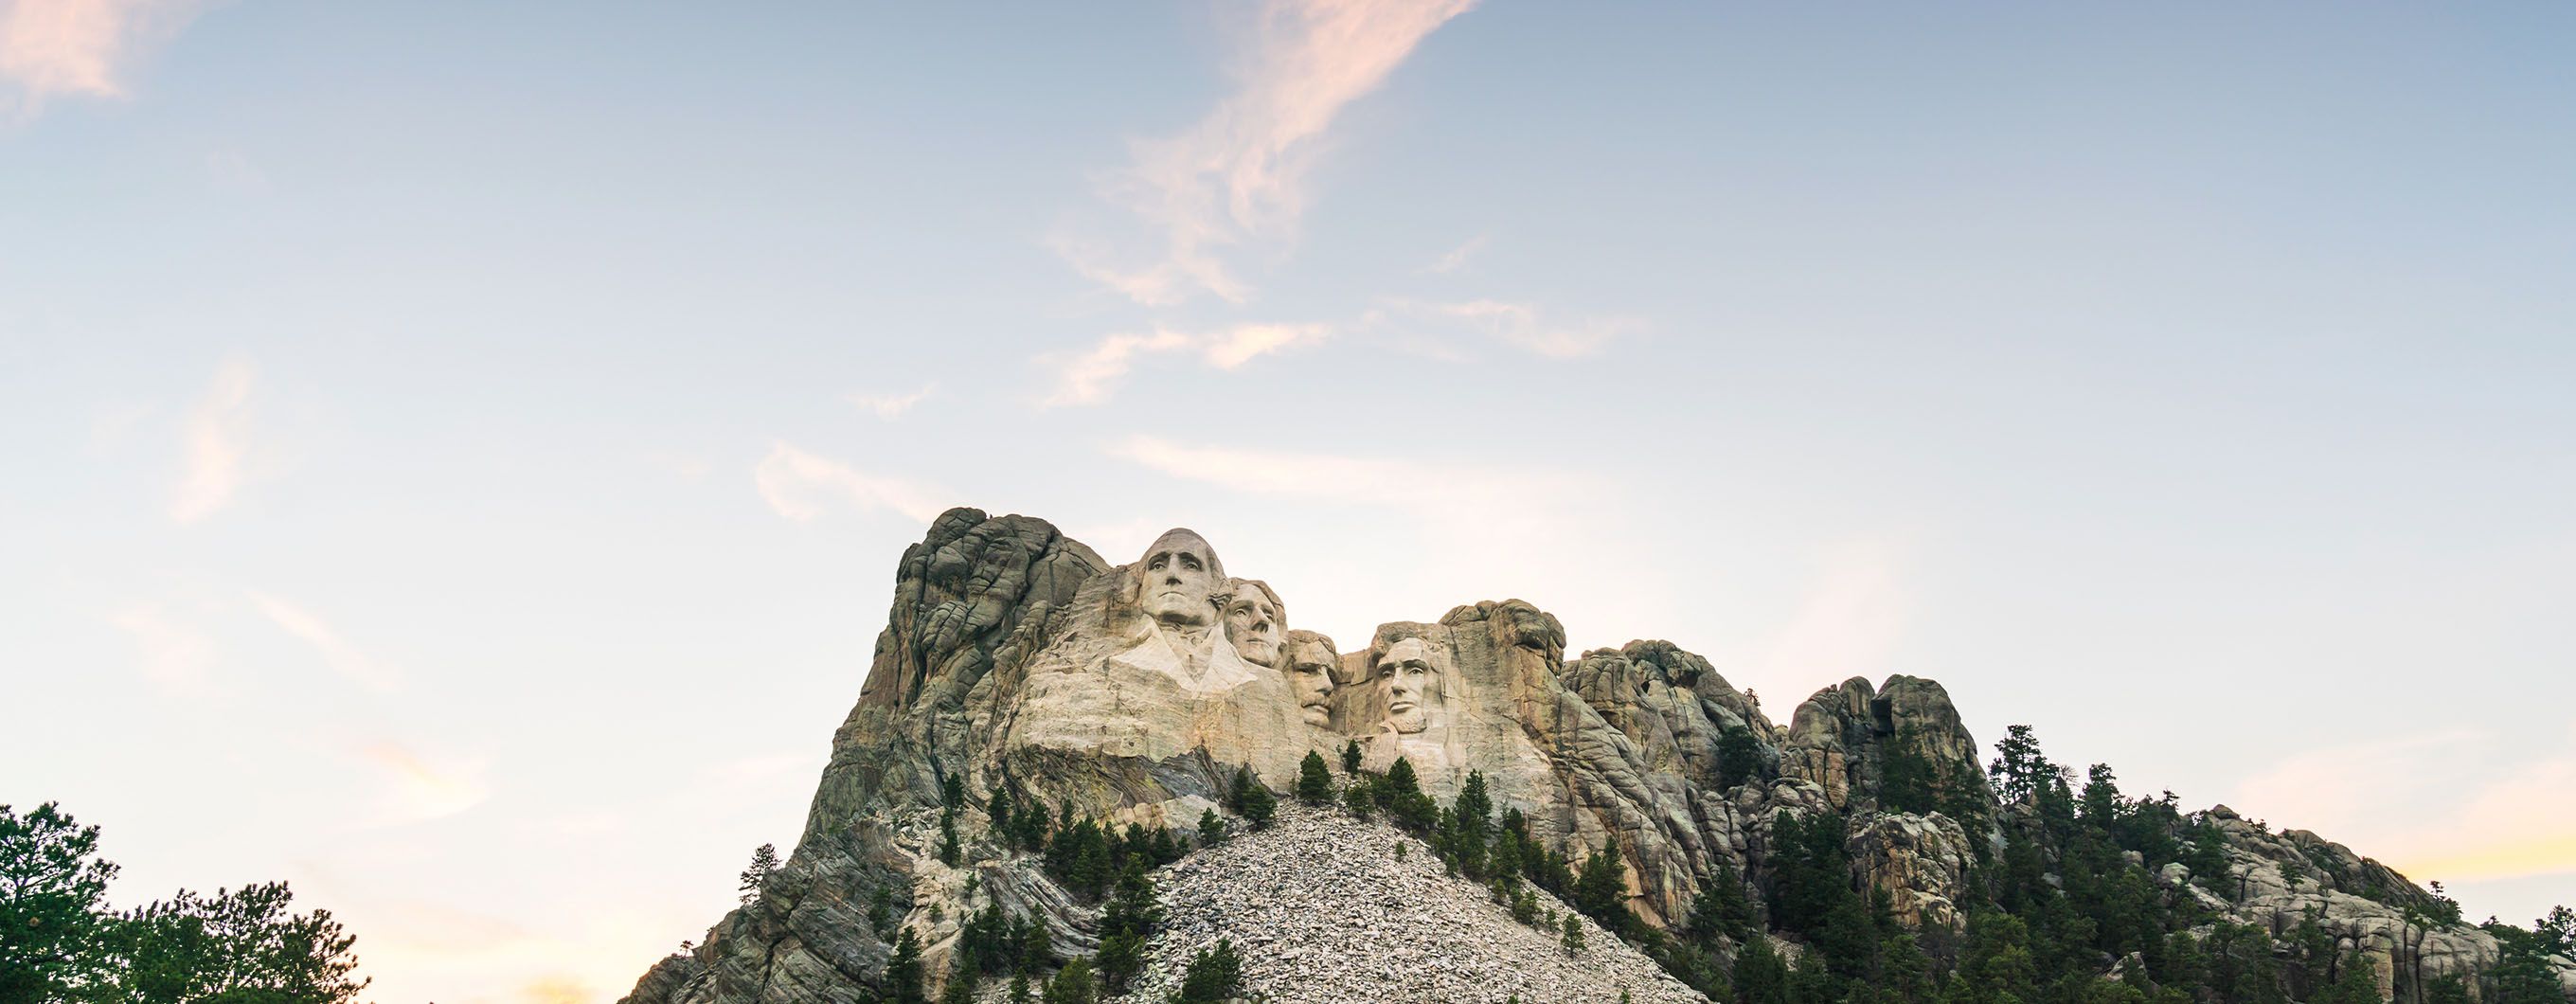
[2274, 880]
[1014, 658]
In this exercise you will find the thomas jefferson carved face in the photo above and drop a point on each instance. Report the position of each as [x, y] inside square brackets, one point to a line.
[1309, 668]
[1411, 684]
[1253, 622]
[1176, 577]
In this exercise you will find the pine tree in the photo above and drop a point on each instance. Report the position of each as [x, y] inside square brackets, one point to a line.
[1314, 781]
[1253, 799]
[1351, 758]
[1073, 984]
[1573, 935]
[1211, 828]
[763, 862]
[903, 971]
[1214, 976]
[1721, 908]
[1760, 977]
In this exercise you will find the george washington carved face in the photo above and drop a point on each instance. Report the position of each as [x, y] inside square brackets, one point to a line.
[1176, 578]
[1254, 621]
[1308, 663]
[1411, 684]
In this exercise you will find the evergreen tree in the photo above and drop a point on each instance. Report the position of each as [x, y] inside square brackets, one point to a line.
[52, 886]
[1214, 976]
[949, 851]
[1400, 794]
[1253, 799]
[903, 971]
[1601, 892]
[2353, 985]
[237, 945]
[1906, 776]
[1473, 814]
[1739, 757]
[1314, 781]
[1360, 797]
[1019, 992]
[1721, 908]
[1005, 817]
[1996, 966]
[1211, 828]
[1760, 977]
[763, 861]
[1351, 758]
[1573, 935]
[1073, 984]
[1129, 919]
[2019, 770]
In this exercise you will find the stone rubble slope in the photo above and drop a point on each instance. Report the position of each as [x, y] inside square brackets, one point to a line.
[1322, 911]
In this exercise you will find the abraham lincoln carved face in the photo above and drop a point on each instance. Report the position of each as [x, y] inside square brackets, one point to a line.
[1411, 684]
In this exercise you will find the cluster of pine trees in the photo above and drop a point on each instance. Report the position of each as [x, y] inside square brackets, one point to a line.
[60, 942]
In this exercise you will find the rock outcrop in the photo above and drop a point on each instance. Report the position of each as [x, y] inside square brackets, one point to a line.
[1015, 659]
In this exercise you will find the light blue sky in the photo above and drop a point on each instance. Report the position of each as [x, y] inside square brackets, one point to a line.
[458, 454]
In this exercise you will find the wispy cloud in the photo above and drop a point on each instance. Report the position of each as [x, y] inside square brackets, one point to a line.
[214, 440]
[892, 406]
[174, 656]
[342, 657]
[52, 48]
[1457, 257]
[1463, 498]
[424, 789]
[1521, 324]
[1091, 376]
[1240, 174]
[802, 486]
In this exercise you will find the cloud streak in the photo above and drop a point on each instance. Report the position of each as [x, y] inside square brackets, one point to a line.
[54, 48]
[1240, 174]
[342, 657]
[1093, 375]
[424, 790]
[214, 441]
[892, 406]
[802, 486]
[1522, 325]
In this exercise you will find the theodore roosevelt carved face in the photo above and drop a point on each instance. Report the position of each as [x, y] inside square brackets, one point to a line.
[1177, 576]
[1308, 663]
[1411, 684]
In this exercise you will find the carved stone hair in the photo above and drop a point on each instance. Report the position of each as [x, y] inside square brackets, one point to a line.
[1224, 596]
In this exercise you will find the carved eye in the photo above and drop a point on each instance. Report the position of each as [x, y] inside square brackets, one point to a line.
[1189, 562]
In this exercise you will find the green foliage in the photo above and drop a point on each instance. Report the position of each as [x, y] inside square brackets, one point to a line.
[1360, 797]
[1811, 873]
[2522, 972]
[1314, 780]
[1074, 984]
[1211, 828]
[763, 861]
[1351, 758]
[1908, 781]
[1739, 758]
[1124, 926]
[1996, 967]
[1215, 976]
[1601, 890]
[2019, 770]
[59, 943]
[902, 982]
[2353, 984]
[1760, 977]
[51, 889]
[1252, 799]
[1573, 939]
[241, 945]
[1400, 794]
[1721, 908]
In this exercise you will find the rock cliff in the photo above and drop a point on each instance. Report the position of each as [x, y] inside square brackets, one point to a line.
[1016, 660]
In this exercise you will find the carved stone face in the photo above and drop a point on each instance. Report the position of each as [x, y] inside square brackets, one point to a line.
[1252, 623]
[1411, 684]
[1310, 674]
[1176, 575]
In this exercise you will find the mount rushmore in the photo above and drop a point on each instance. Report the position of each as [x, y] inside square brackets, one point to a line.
[1018, 661]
